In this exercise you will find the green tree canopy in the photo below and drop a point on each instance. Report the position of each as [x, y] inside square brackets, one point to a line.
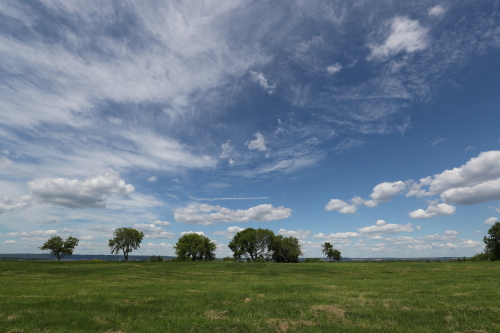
[195, 247]
[492, 248]
[126, 240]
[285, 249]
[253, 243]
[330, 252]
[59, 248]
[336, 255]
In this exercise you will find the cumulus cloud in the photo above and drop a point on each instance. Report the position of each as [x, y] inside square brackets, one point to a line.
[491, 220]
[260, 79]
[338, 235]
[383, 228]
[208, 215]
[87, 237]
[74, 193]
[406, 35]
[436, 11]
[152, 231]
[451, 232]
[258, 144]
[432, 211]
[300, 234]
[384, 192]
[161, 223]
[10, 204]
[340, 206]
[230, 232]
[201, 233]
[152, 179]
[334, 69]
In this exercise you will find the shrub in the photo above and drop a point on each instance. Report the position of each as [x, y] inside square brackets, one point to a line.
[480, 257]
[157, 258]
[313, 260]
[228, 259]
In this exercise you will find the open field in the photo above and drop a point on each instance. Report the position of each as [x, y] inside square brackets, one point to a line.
[249, 297]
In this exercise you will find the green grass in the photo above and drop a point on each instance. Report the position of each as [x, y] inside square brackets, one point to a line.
[249, 297]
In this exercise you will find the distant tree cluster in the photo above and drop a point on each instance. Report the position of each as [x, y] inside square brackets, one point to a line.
[492, 244]
[262, 244]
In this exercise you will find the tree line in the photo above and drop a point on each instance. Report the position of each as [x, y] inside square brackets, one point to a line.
[251, 244]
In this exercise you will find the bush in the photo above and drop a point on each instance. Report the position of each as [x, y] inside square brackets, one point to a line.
[480, 257]
[313, 260]
[228, 259]
[157, 258]
[181, 259]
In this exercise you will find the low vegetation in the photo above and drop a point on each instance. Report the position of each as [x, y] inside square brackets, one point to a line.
[200, 296]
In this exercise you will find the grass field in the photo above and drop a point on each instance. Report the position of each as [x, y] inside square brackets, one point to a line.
[249, 297]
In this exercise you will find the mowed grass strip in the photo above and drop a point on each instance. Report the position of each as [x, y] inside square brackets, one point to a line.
[249, 297]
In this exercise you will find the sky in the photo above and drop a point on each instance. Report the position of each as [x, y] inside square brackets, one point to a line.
[369, 125]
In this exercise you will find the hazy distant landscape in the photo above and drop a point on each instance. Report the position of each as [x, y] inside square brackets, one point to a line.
[83, 296]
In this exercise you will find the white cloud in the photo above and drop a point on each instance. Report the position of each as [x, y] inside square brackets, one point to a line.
[152, 179]
[384, 192]
[340, 206]
[87, 237]
[48, 220]
[73, 193]
[432, 211]
[487, 191]
[334, 69]
[208, 215]
[230, 232]
[338, 235]
[491, 220]
[479, 232]
[469, 148]
[436, 11]
[382, 228]
[100, 228]
[258, 144]
[260, 79]
[36, 233]
[161, 223]
[201, 233]
[10, 204]
[437, 141]
[437, 237]
[10, 242]
[300, 234]
[451, 232]
[406, 35]
[478, 170]
[152, 231]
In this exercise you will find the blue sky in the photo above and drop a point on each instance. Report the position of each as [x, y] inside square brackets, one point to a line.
[373, 126]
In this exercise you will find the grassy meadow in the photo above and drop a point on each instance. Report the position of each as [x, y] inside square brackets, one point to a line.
[249, 297]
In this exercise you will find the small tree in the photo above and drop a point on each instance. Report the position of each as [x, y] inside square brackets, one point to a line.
[286, 249]
[336, 255]
[195, 247]
[253, 243]
[59, 248]
[327, 250]
[126, 240]
[492, 248]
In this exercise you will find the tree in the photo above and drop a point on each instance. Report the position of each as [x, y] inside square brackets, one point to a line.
[330, 252]
[253, 243]
[59, 248]
[286, 249]
[195, 247]
[126, 240]
[336, 255]
[327, 250]
[492, 248]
